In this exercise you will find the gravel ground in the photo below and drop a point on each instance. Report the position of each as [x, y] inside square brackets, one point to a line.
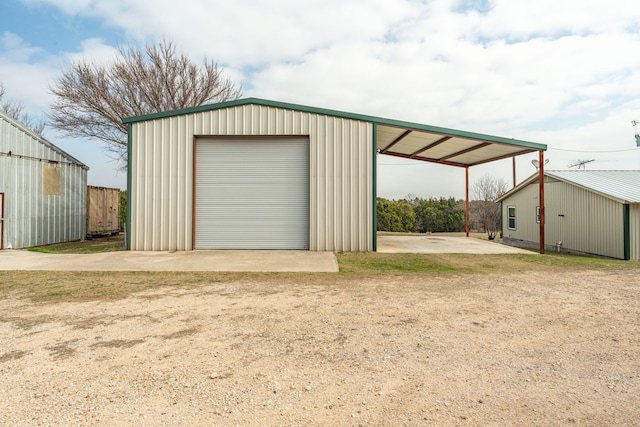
[520, 349]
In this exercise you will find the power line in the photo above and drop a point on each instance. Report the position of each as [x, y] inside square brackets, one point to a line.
[594, 151]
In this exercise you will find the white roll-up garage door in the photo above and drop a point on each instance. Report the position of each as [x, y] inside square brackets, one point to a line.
[252, 193]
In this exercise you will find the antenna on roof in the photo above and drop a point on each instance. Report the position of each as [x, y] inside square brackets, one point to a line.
[634, 123]
[580, 163]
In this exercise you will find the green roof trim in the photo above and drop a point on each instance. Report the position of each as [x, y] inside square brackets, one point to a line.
[340, 114]
[374, 189]
[127, 225]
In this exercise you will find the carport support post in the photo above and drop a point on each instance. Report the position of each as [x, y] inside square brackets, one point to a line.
[466, 200]
[541, 198]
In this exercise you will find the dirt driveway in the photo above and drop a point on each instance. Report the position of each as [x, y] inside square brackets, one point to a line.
[516, 349]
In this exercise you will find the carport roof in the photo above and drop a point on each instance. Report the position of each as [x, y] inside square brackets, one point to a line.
[398, 138]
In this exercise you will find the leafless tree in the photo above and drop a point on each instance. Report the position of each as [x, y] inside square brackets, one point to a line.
[485, 211]
[15, 109]
[92, 99]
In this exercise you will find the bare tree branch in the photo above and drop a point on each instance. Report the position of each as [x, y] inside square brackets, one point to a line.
[484, 209]
[15, 109]
[91, 100]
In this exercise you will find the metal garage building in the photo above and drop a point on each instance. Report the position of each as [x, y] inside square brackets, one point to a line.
[587, 211]
[42, 190]
[258, 174]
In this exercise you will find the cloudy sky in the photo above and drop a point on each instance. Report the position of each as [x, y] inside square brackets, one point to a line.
[565, 73]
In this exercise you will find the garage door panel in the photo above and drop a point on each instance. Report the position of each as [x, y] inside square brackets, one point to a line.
[252, 194]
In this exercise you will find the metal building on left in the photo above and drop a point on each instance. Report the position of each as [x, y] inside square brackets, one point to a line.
[43, 190]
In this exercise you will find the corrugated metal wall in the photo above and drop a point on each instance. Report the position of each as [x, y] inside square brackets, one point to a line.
[341, 174]
[582, 220]
[33, 218]
[103, 210]
[525, 202]
[634, 223]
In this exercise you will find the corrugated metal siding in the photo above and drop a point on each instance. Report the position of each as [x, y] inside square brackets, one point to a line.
[634, 223]
[340, 162]
[525, 202]
[623, 185]
[32, 218]
[582, 220]
[103, 210]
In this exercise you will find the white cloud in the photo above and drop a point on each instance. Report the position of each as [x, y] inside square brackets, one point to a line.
[24, 81]
[561, 73]
[515, 19]
[94, 50]
[27, 71]
[15, 48]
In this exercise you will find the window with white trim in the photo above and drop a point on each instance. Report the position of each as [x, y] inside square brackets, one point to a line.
[511, 217]
[538, 214]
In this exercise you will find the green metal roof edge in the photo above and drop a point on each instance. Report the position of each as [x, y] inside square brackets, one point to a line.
[341, 114]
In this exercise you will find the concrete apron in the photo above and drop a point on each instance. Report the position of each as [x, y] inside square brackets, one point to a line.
[246, 260]
[444, 245]
[249, 261]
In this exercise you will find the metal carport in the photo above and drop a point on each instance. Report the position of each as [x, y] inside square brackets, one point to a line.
[455, 148]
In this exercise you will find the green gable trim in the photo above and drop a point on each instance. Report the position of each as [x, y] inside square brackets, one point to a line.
[339, 114]
[374, 186]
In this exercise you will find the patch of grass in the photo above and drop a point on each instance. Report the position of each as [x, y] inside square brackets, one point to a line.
[181, 333]
[79, 248]
[12, 355]
[89, 246]
[25, 323]
[372, 262]
[117, 344]
[60, 286]
[63, 350]
[368, 263]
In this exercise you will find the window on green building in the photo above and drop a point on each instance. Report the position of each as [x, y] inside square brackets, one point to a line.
[511, 217]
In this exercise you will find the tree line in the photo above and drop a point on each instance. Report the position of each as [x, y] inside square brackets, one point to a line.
[416, 215]
[413, 214]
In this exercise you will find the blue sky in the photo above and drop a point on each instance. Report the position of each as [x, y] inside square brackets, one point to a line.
[50, 29]
[565, 74]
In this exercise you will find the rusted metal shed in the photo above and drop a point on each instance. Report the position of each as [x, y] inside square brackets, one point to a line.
[103, 211]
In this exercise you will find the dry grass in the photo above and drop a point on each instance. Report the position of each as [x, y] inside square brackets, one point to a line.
[89, 246]
[57, 286]
[391, 339]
